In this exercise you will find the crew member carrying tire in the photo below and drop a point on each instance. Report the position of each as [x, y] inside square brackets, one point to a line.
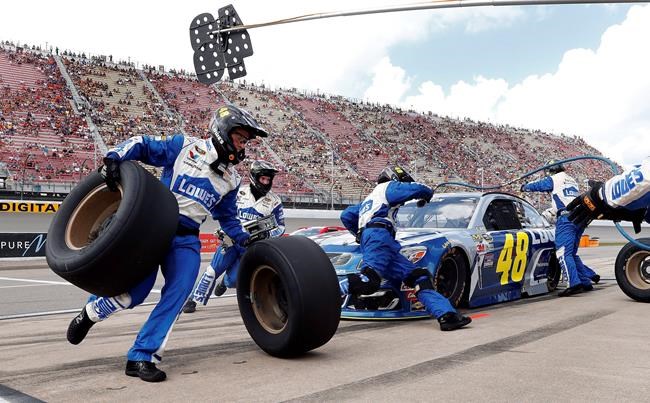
[373, 223]
[253, 202]
[201, 176]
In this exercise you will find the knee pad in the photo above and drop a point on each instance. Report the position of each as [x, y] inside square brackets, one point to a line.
[364, 283]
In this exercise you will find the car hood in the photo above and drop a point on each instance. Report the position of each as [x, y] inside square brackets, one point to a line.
[344, 241]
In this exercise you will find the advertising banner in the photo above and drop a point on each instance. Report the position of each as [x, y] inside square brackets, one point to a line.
[28, 206]
[26, 244]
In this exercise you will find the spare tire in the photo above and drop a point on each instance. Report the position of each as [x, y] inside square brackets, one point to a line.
[107, 242]
[632, 270]
[288, 295]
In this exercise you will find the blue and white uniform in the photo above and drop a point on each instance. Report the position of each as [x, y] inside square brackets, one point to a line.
[200, 192]
[564, 189]
[629, 190]
[227, 259]
[375, 218]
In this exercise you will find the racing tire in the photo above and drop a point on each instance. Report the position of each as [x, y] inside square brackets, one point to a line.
[554, 273]
[451, 277]
[107, 242]
[288, 295]
[632, 270]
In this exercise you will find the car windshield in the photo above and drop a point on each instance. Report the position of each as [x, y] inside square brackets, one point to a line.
[441, 212]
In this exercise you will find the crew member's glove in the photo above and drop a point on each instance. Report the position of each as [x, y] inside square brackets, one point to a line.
[589, 206]
[423, 202]
[110, 171]
[254, 238]
[522, 188]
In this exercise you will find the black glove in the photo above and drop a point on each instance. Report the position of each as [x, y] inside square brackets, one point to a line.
[589, 206]
[423, 202]
[110, 171]
[635, 216]
[521, 189]
[255, 237]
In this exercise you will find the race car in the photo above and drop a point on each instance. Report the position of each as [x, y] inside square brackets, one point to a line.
[482, 248]
[310, 231]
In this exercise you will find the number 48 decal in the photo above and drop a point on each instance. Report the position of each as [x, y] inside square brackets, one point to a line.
[506, 265]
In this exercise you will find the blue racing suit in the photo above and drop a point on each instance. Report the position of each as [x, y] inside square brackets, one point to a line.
[564, 189]
[226, 259]
[374, 218]
[200, 192]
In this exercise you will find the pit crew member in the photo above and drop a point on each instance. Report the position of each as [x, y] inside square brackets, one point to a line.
[373, 223]
[624, 197]
[253, 202]
[200, 174]
[564, 189]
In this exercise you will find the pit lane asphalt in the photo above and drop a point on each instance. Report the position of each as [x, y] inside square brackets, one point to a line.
[589, 347]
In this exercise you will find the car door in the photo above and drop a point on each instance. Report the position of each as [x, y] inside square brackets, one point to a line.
[541, 259]
[502, 266]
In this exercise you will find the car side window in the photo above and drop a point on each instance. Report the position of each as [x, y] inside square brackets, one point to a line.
[532, 219]
[501, 215]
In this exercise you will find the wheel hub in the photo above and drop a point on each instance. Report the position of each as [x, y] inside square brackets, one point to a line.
[269, 299]
[92, 216]
[637, 270]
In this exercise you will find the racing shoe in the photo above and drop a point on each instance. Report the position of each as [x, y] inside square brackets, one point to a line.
[576, 289]
[146, 370]
[220, 288]
[79, 327]
[453, 321]
[595, 278]
[189, 307]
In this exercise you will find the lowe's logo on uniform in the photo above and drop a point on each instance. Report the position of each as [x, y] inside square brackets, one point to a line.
[629, 182]
[198, 189]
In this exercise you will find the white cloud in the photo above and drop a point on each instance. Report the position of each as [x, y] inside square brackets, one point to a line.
[602, 95]
[389, 83]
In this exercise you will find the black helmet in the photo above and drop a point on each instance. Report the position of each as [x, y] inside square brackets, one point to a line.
[554, 168]
[262, 168]
[224, 120]
[394, 173]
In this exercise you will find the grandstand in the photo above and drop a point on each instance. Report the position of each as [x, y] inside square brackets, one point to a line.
[328, 148]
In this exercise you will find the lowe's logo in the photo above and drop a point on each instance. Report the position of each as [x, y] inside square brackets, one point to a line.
[197, 189]
[629, 182]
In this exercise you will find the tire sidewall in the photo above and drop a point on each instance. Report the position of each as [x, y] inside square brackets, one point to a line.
[621, 276]
[456, 297]
[311, 287]
[129, 248]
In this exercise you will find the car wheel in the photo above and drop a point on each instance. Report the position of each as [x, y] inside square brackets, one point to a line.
[288, 295]
[450, 278]
[632, 269]
[107, 242]
[554, 273]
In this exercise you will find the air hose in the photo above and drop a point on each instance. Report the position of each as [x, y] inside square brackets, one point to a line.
[530, 173]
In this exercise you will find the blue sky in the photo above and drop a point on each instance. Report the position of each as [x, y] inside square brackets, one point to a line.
[579, 70]
[533, 44]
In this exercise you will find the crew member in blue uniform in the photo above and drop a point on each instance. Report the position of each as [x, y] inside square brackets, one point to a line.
[373, 222]
[200, 174]
[564, 189]
[624, 197]
[253, 202]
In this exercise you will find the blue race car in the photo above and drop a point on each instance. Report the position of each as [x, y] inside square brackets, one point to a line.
[482, 248]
